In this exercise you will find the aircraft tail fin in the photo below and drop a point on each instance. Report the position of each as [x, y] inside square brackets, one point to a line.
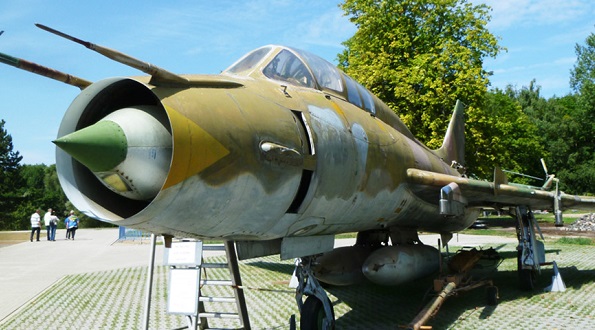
[453, 146]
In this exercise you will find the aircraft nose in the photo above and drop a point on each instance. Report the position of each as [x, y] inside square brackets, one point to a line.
[99, 147]
[129, 151]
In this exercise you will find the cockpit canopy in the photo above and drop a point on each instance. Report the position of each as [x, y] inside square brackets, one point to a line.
[301, 68]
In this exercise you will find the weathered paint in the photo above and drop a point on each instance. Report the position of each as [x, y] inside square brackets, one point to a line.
[255, 158]
[44, 71]
[194, 149]
[478, 192]
[394, 265]
[99, 147]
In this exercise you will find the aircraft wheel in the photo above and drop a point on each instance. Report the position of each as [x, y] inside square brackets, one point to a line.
[492, 295]
[313, 314]
[527, 277]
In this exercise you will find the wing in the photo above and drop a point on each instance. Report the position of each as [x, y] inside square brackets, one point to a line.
[499, 193]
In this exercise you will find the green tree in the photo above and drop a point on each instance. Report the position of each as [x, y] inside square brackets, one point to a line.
[513, 138]
[583, 72]
[9, 177]
[553, 118]
[54, 197]
[563, 130]
[567, 131]
[580, 169]
[32, 192]
[420, 56]
[42, 190]
[24, 188]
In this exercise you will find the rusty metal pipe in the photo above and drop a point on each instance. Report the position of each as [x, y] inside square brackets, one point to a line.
[44, 71]
[431, 307]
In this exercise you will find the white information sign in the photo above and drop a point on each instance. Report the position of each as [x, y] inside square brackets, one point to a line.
[184, 254]
[183, 291]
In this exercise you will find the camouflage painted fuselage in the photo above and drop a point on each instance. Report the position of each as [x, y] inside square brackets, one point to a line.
[257, 158]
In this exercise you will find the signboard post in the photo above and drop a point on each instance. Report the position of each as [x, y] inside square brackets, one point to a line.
[184, 260]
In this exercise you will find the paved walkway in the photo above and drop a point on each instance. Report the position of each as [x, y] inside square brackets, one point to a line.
[28, 268]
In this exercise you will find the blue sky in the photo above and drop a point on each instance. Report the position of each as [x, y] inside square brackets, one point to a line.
[207, 36]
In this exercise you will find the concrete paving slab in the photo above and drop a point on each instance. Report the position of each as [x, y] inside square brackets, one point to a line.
[28, 268]
[113, 299]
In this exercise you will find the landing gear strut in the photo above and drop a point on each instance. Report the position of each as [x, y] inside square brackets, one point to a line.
[317, 311]
[530, 251]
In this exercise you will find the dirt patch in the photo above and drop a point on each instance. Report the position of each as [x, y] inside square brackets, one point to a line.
[8, 238]
[548, 229]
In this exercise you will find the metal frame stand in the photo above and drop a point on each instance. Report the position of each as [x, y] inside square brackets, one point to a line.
[235, 283]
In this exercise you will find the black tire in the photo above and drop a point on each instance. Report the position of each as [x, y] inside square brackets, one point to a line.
[527, 277]
[492, 295]
[313, 314]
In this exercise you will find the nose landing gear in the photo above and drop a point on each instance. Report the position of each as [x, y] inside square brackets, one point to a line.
[317, 311]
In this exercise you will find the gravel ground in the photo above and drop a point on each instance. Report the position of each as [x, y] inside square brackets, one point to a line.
[114, 299]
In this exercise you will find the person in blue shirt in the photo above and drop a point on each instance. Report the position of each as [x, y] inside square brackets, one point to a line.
[72, 224]
[67, 229]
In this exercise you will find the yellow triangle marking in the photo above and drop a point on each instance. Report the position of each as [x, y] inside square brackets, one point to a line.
[194, 149]
[338, 108]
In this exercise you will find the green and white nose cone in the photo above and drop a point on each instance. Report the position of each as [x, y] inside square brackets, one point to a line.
[100, 147]
[118, 146]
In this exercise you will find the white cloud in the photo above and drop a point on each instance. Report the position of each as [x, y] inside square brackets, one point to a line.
[329, 29]
[514, 14]
[567, 61]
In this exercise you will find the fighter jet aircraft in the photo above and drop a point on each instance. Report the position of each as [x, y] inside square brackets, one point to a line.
[279, 153]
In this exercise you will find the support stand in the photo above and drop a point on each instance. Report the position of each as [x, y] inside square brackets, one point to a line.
[149, 282]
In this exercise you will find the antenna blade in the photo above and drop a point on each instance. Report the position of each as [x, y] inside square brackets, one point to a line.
[544, 167]
[44, 71]
[159, 75]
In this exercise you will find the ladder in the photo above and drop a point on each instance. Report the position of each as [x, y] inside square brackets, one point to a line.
[234, 283]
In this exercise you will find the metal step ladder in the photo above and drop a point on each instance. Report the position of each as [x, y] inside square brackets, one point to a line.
[233, 283]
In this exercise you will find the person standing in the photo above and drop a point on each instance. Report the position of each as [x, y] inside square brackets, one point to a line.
[73, 224]
[47, 219]
[35, 224]
[53, 225]
[66, 226]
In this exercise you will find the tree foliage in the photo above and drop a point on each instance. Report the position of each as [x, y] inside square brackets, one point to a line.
[513, 140]
[565, 132]
[9, 176]
[583, 72]
[40, 189]
[420, 56]
[580, 169]
[24, 188]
